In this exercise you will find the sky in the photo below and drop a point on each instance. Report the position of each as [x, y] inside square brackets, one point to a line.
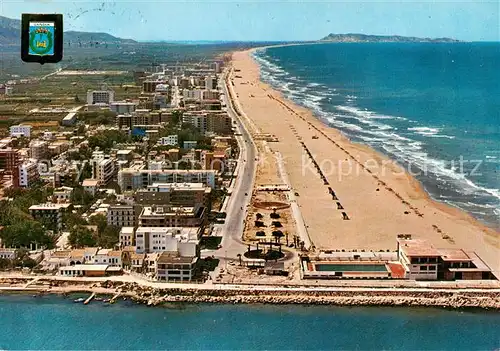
[269, 20]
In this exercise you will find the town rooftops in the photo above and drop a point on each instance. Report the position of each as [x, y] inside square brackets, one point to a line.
[127, 230]
[137, 256]
[170, 258]
[61, 254]
[90, 182]
[76, 253]
[49, 206]
[124, 152]
[167, 211]
[181, 233]
[417, 248]
[115, 253]
[159, 187]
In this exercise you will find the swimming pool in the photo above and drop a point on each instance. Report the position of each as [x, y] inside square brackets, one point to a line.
[338, 267]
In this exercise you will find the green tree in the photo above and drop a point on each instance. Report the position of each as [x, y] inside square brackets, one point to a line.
[109, 237]
[100, 221]
[5, 263]
[80, 196]
[81, 236]
[26, 233]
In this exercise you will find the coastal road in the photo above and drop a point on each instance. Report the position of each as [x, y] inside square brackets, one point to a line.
[232, 229]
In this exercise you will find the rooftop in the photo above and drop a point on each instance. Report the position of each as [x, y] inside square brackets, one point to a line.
[166, 257]
[418, 247]
[90, 182]
[127, 230]
[85, 267]
[453, 255]
[49, 206]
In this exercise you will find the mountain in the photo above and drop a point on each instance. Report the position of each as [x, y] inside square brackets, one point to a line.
[363, 38]
[10, 28]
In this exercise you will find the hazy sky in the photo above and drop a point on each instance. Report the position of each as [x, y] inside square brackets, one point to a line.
[270, 20]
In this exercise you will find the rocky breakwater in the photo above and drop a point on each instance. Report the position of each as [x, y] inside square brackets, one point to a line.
[396, 297]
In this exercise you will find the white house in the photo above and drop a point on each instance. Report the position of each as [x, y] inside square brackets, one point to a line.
[109, 257]
[171, 140]
[127, 236]
[8, 254]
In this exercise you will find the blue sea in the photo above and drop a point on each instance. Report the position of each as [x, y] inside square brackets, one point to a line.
[57, 323]
[432, 107]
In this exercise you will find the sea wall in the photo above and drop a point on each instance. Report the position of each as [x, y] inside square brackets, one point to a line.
[153, 296]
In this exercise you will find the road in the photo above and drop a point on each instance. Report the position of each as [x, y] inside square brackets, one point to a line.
[232, 229]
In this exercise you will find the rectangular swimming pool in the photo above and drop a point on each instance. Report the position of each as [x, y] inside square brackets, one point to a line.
[335, 267]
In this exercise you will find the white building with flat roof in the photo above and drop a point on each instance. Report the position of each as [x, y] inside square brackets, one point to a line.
[126, 236]
[171, 140]
[109, 257]
[138, 177]
[183, 241]
[20, 130]
[28, 173]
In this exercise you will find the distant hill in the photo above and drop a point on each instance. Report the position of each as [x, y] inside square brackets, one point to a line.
[10, 28]
[364, 38]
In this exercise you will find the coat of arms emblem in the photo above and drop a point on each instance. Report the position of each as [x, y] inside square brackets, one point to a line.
[41, 38]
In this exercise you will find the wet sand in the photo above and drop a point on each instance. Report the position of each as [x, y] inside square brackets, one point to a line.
[380, 201]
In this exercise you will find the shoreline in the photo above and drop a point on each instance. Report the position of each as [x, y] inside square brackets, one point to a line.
[452, 209]
[465, 231]
[484, 299]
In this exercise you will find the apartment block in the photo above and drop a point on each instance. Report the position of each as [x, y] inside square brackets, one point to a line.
[175, 194]
[172, 216]
[9, 167]
[121, 215]
[123, 107]
[39, 150]
[100, 97]
[174, 268]
[183, 241]
[28, 173]
[20, 130]
[139, 178]
[51, 215]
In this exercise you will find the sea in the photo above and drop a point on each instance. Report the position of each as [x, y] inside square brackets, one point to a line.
[57, 323]
[432, 107]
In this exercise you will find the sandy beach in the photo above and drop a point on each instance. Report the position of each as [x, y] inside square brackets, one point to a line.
[379, 198]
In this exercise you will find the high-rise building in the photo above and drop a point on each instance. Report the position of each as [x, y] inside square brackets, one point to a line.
[39, 150]
[9, 167]
[28, 174]
[100, 97]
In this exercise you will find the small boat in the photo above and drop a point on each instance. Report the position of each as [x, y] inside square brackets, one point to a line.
[106, 300]
[81, 299]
